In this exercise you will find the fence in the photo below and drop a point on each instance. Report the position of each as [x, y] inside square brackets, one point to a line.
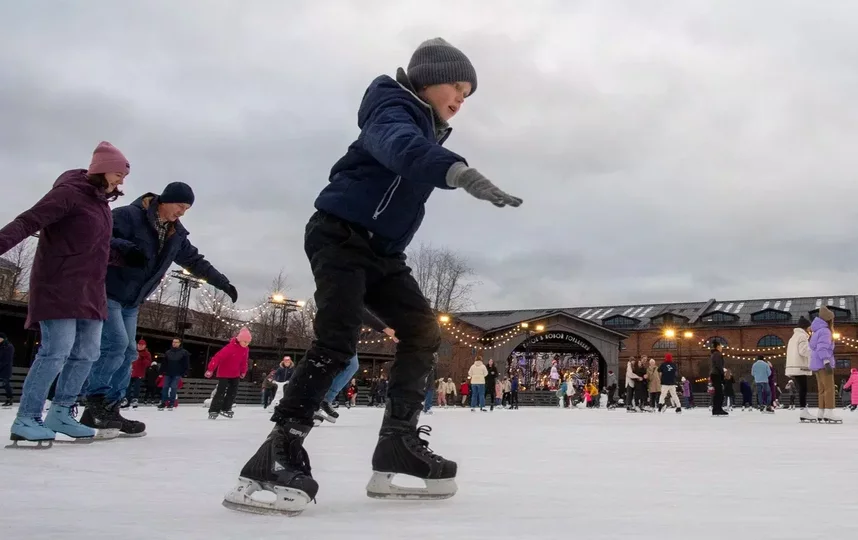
[198, 390]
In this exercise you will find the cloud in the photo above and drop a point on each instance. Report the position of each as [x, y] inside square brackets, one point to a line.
[670, 152]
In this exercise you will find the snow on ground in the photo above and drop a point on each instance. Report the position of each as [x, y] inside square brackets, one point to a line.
[531, 473]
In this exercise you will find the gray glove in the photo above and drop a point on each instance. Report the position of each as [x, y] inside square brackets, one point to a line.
[470, 179]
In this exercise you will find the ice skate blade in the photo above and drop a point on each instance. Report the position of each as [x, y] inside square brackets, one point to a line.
[287, 501]
[132, 435]
[75, 441]
[44, 444]
[106, 434]
[381, 486]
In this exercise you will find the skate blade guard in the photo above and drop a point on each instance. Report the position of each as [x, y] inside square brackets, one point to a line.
[381, 486]
[263, 498]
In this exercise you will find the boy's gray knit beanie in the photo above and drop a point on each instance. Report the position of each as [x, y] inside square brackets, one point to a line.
[437, 62]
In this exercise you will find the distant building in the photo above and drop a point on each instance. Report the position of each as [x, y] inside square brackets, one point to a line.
[8, 273]
[610, 335]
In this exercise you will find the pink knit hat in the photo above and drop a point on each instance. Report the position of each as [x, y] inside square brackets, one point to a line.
[244, 334]
[108, 159]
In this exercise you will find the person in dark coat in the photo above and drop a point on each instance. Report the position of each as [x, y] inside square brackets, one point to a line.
[67, 287]
[747, 394]
[7, 355]
[284, 372]
[152, 393]
[149, 237]
[176, 363]
[716, 376]
[491, 380]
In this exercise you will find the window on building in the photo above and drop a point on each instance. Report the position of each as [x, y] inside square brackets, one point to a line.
[717, 339]
[668, 318]
[719, 317]
[664, 344]
[770, 340]
[771, 315]
[843, 363]
[618, 321]
[839, 313]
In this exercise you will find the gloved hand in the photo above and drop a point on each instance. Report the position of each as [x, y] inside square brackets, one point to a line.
[472, 181]
[232, 293]
[135, 258]
[208, 375]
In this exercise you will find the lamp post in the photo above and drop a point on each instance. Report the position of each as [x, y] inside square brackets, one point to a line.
[186, 283]
[285, 306]
[671, 333]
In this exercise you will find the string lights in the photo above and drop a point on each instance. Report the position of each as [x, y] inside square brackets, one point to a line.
[226, 307]
[704, 345]
[499, 341]
[165, 282]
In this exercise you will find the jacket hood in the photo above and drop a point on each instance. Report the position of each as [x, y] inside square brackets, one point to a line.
[798, 331]
[818, 324]
[148, 202]
[78, 179]
[478, 361]
[854, 371]
[385, 88]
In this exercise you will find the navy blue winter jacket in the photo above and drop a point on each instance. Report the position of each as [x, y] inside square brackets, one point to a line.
[388, 173]
[135, 225]
[176, 362]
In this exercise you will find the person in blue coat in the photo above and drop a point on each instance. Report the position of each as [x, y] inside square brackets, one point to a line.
[148, 237]
[365, 218]
[7, 355]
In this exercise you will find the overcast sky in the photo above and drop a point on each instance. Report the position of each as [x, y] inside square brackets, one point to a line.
[679, 152]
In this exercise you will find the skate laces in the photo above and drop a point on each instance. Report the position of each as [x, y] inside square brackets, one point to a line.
[422, 445]
[73, 410]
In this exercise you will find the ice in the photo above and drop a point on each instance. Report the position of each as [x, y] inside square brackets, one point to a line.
[532, 473]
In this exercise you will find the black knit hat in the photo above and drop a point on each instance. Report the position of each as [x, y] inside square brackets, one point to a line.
[437, 62]
[803, 323]
[177, 192]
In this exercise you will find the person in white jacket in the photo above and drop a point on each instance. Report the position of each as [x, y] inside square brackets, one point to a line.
[451, 392]
[477, 373]
[798, 363]
[631, 377]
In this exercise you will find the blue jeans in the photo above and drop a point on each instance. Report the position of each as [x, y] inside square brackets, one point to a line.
[763, 397]
[112, 371]
[69, 347]
[341, 380]
[170, 390]
[478, 395]
[427, 401]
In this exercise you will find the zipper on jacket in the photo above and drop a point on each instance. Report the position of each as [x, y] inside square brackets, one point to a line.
[388, 196]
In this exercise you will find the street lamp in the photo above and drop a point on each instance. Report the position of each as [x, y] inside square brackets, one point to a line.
[444, 319]
[285, 306]
[671, 333]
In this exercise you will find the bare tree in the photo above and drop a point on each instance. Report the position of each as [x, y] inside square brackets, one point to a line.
[159, 310]
[213, 316]
[444, 278]
[17, 275]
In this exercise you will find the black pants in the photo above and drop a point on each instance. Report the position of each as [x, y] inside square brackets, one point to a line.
[268, 396]
[717, 391]
[513, 399]
[490, 394]
[653, 399]
[225, 395]
[7, 386]
[611, 390]
[640, 393]
[630, 390]
[505, 399]
[350, 273]
[801, 382]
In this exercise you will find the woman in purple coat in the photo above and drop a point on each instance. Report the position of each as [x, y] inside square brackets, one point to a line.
[68, 301]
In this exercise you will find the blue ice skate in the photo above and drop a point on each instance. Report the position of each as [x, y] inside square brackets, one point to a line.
[61, 420]
[31, 430]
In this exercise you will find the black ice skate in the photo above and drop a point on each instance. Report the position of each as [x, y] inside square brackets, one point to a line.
[7, 403]
[327, 412]
[130, 428]
[277, 479]
[100, 417]
[213, 416]
[400, 450]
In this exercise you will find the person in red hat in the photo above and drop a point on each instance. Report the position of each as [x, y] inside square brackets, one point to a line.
[138, 372]
[668, 373]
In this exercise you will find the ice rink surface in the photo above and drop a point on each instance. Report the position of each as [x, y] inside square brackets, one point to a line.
[531, 473]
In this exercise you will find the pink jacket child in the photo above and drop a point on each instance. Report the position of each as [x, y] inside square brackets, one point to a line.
[231, 361]
[853, 384]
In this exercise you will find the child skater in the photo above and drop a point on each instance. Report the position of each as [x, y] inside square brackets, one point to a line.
[366, 217]
[229, 364]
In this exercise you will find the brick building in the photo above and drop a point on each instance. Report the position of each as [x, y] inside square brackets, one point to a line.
[747, 328]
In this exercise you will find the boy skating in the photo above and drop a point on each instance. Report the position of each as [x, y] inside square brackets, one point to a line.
[366, 218]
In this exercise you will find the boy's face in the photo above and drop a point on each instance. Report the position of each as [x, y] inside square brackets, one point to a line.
[446, 98]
